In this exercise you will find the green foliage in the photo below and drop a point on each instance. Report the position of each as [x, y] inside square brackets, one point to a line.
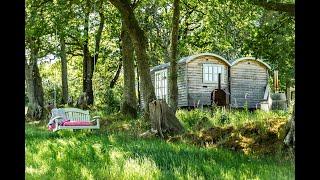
[112, 101]
[229, 28]
[101, 155]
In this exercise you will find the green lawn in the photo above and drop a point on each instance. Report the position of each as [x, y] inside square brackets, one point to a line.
[101, 155]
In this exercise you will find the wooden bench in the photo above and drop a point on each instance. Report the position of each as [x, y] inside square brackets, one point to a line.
[72, 114]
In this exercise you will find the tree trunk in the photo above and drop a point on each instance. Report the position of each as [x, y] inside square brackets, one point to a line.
[88, 73]
[139, 42]
[276, 6]
[138, 87]
[64, 71]
[116, 76]
[290, 137]
[129, 104]
[34, 88]
[288, 93]
[173, 87]
[163, 119]
[89, 61]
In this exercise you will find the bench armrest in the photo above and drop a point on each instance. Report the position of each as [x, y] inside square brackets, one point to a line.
[53, 120]
[96, 118]
[57, 117]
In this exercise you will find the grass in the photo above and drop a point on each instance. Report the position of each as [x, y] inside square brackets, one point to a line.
[118, 154]
[219, 117]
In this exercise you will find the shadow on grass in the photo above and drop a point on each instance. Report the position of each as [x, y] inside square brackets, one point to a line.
[204, 163]
[98, 155]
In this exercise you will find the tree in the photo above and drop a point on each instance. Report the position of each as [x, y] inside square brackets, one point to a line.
[64, 70]
[276, 6]
[285, 60]
[61, 20]
[173, 87]
[129, 100]
[34, 82]
[36, 31]
[89, 60]
[139, 42]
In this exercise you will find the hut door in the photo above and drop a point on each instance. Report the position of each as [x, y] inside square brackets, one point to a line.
[219, 94]
[161, 85]
[219, 97]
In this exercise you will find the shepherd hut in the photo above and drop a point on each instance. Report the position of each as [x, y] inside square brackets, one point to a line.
[207, 78]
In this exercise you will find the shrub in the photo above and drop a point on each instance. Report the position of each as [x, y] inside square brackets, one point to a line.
[112, 101]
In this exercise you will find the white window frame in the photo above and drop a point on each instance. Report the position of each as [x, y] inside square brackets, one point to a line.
[210, 73]
[161, 84]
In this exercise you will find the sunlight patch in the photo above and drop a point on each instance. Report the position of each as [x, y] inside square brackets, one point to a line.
[144, 168]
[116, 154]
[98, 150]
[37, 171]
[86, 173]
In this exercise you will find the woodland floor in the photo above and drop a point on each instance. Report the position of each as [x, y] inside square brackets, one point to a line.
[116, 152]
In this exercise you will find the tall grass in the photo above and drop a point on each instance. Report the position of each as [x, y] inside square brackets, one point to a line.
[233, 117]
[117, 155]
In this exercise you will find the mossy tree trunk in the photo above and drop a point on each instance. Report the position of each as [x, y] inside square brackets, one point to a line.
[173, 87]
[138, 38]
[89, 61]
[64, 71]
[290, 137]
[34, 86]
[129, 103]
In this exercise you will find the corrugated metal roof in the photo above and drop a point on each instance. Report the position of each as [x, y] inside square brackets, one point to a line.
[250, 58]
[187, 59]
[191, 57]
[160, 67]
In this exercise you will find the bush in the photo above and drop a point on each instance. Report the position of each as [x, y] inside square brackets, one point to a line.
[112, 101]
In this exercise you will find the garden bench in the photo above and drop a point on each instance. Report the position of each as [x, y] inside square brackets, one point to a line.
[72, 118]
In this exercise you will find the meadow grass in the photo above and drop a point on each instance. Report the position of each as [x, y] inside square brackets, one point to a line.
[102, 154]
[222, 118]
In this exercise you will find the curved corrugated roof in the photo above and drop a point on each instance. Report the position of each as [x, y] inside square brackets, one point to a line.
[192, 57]
[159, 67]
[249, 58]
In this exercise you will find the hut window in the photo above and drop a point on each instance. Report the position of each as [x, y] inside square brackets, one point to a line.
[210, 73]
[161, 85]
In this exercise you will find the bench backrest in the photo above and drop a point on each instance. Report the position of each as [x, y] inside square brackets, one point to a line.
[75, 114]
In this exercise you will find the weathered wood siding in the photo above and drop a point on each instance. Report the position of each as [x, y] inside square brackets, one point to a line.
[199, 92]
[181, 82]
[182, 85]
[248, 76]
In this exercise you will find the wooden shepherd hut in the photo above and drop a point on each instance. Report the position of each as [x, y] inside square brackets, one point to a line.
[249, 83]
[207, 78]
[198, 80]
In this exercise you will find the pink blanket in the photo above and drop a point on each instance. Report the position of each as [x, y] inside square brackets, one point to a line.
[77, 123]
[70, 123]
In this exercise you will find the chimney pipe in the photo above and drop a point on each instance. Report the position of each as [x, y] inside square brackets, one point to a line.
[276, 81]
[219, 81]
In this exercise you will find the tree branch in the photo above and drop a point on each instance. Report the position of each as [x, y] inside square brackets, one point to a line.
[74, 54]
[98, 35]
[275, 6]
[76, 41]
[135, 4]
